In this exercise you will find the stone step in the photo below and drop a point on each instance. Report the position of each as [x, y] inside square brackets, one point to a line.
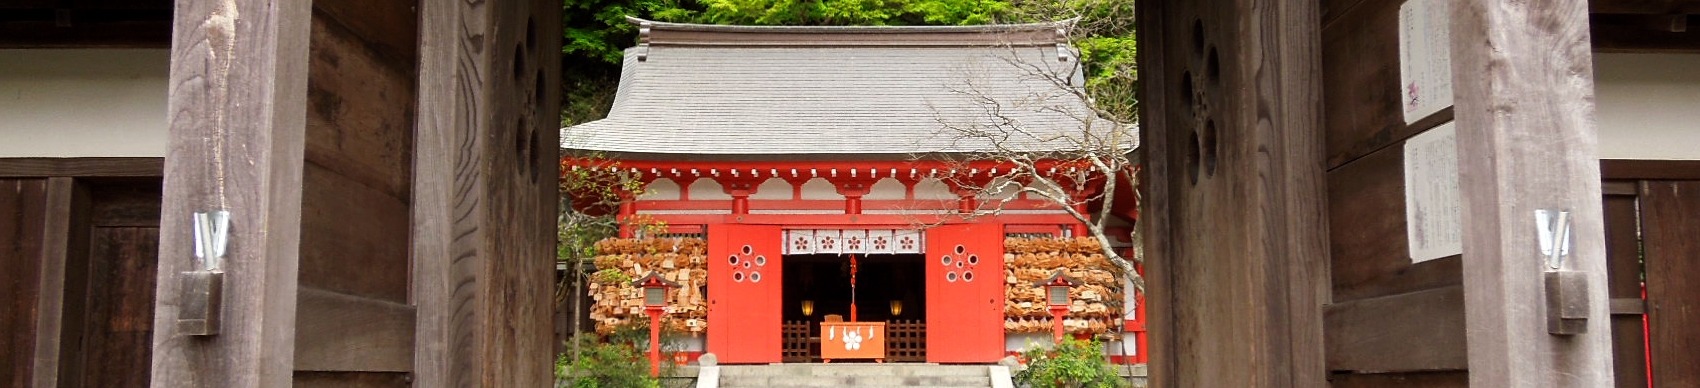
[855, 381]
[836, 370]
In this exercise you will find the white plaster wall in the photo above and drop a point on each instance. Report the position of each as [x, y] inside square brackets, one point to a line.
[83, 102]
[705, 189]
[661, 190]
[1648, 105]
[774, 188]
[887, 188]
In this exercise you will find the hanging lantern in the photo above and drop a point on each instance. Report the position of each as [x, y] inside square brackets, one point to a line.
[808, 308]
[896, 308]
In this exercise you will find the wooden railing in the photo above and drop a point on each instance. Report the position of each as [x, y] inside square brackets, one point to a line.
[906, 341]
[798, 340]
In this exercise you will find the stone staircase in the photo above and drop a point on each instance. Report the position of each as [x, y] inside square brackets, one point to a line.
[860, 375]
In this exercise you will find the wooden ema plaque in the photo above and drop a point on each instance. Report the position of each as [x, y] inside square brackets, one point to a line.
[852, 340]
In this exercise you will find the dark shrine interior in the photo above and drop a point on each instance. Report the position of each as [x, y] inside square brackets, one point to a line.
[880, 279]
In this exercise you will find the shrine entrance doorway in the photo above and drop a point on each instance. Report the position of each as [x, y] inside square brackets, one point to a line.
[889, 292]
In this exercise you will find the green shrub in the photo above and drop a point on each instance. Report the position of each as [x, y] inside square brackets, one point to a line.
[1074, 363]
[605, 365]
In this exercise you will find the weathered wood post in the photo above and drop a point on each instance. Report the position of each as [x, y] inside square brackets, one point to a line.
[484, 201]
[1523, 79]
[238, 96]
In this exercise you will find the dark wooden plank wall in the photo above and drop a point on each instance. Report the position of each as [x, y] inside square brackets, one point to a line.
[1389, 322]
[1623, 254]
[1233, 145]
[353, 317]
[1636, 240]
[90, 289]
[1669, 210]
[23, 215]
[484, 200]
[117, 301]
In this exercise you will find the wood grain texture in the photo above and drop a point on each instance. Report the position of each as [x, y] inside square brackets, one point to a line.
[118, 327]
[81, 167]
[1623, 266]
[1155, 186]
[1369, 255]
[353, 237]
[1332, 10]
[237, 118]
[1400, 380]
[1418, 331]
[360, 108]
[342, 332]
[1241, 275]
[64, 283]
[121, 202]
[23, 217]
[484, 202]
[309, 379]
[1523, 80]
[1668, 221]
[1360, 52]
[1624, 169]
[388, 27]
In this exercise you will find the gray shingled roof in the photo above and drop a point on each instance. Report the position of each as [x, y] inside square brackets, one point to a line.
[722, 90]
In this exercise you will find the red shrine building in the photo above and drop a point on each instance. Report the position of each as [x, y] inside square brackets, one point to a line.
[804, 156]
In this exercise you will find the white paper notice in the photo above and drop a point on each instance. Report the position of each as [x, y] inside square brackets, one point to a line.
[1425, 58]
[1433, 206]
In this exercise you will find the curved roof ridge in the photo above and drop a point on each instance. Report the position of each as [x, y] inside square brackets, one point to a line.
[1041, 26]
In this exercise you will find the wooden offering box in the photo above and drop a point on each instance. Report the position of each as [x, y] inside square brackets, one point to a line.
[852, 340]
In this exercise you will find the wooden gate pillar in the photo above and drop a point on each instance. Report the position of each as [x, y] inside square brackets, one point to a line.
[485, 192]
[1233, 220]
[1523, 79]
[238, 96]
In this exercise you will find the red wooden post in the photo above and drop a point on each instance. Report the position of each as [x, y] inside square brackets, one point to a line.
[654, 300]
[654, 340]
[1057, 314]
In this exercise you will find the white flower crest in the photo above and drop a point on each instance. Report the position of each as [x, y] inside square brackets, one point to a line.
[852, 340]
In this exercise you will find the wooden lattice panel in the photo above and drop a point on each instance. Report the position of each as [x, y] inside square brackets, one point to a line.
[796, 341]
[906, 341]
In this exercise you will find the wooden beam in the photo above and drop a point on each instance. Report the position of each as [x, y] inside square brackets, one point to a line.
[237, 122]
[63, 277]
[121, 34]
[342, 332]
[1645, 33]
[484, 197]
[1624, 169]
[82, 167]
[1418, 331]
[1522, 76]
[1658, 7]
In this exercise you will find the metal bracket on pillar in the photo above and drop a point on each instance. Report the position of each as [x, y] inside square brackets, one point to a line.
[1566, 291]
[203, 289]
